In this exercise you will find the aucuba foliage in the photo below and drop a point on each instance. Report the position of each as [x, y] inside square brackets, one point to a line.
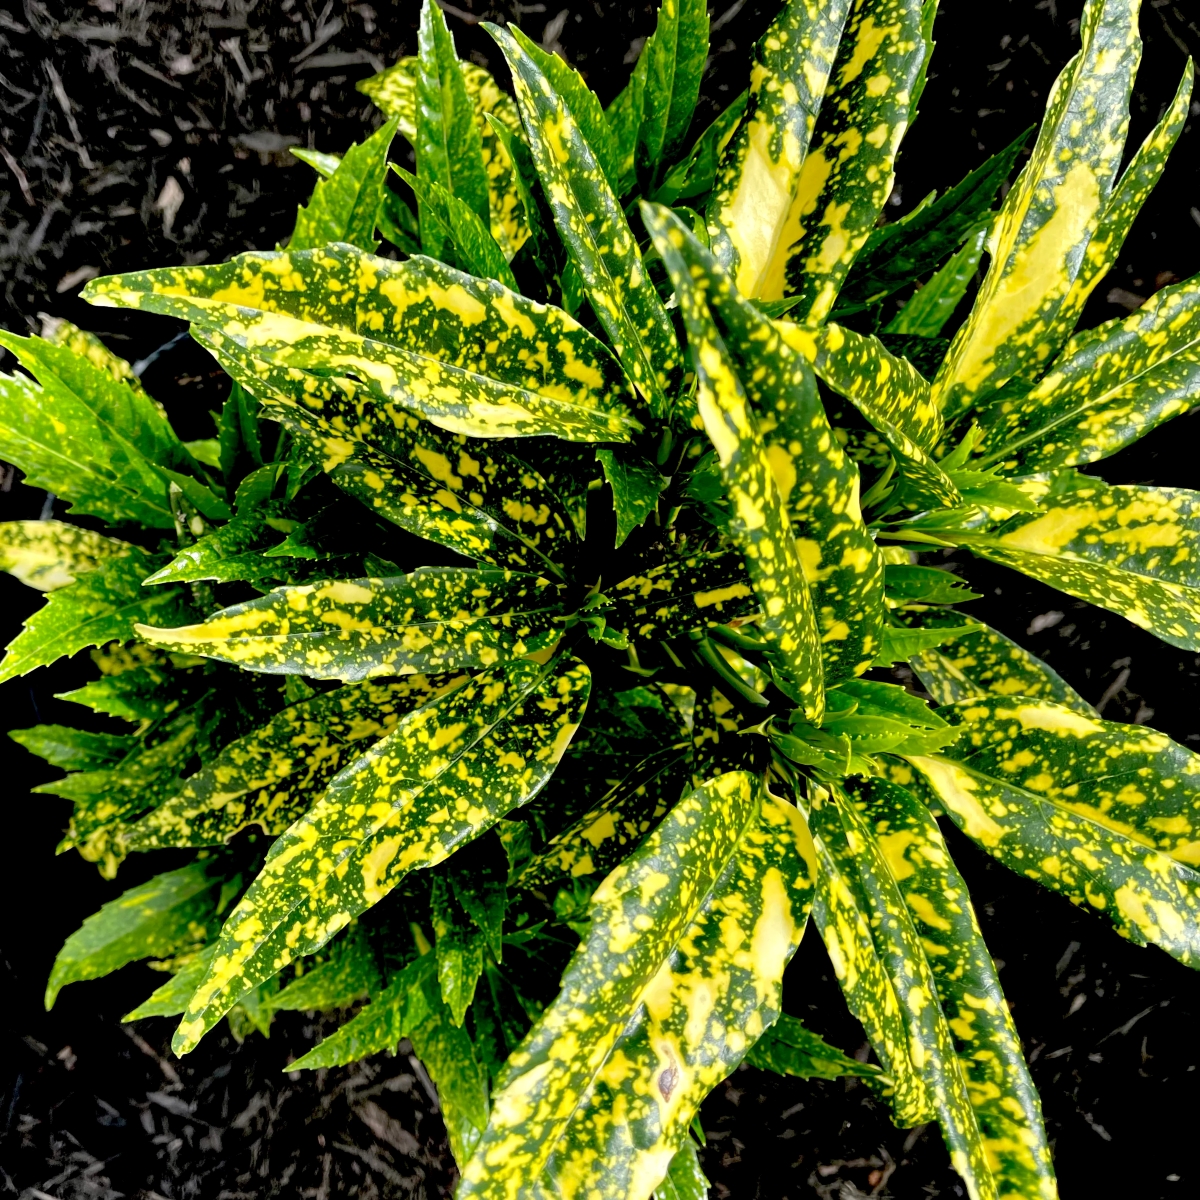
[517, 656]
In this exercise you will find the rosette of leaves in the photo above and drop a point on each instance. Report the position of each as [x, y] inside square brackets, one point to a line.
[563, 541]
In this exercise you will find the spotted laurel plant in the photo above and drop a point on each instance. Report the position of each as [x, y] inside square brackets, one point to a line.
[520, 655]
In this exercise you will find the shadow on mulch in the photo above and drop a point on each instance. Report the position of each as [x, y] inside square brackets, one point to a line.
[137, 133]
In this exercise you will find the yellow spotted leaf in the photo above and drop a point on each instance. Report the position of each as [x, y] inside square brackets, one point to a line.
[448, 771]
[272, 776]
[1133, 550]
[677, 978]
[761, 527]
[1040, 238]
[1106, 814]
[466, 354]
[436, 619]
[51, 554]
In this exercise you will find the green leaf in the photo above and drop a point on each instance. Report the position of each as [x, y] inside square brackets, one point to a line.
[685, 1178]
[624, 116]
[51, 554]
[345, 207]
[171, 998]
[449, 770]
[459, 947]
[229, 552]
[102, 606]
[982, 662]
[900, 643]
[349, 974]
[466, 354]
[817, 483]
[1038, 243]
[898, 253]
[87, 437]
[436, 619]
[750, 215]
[478, 874]
[1132, 550]
[152, 920]
[675, 56]
[462, 238]
[927, 311]
[272, 776]
[72, 749]
[695, 174]
[241, 441]
[1110, 386]
[711, 904]
[906, 584]
[963, 1042]
[1126, 201]
[593, 227]
[448, 141]
[636, 486]
[145, 692]
[761, 527]
[789, 1047]
[1104, 814]
[87, 345]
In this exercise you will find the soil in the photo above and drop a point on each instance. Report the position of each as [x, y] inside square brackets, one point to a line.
[103, 105]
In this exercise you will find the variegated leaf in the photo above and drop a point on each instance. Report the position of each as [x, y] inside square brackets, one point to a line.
[891, 394]
[1040, 237]
[697, 591]
[447, 772]
[696, 174]
[350, 973]
[592, 225]
[790, 1048]
[394, 91]
[436, 619]
[816, 481]
[51, 554]
[750, 215]
[849, 168]
[272, 776]
[604, 835]
[962, 1038]
[760, 527]
[678, 977]
[466, 354]
[685, 1179]
[1128, 196]
[471, 496]
[982, 662]
[871, 992]
[1106, 814]
[1110, 386]
[1134, 550]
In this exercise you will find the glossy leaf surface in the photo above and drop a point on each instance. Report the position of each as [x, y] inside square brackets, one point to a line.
[446, 773]
[436, 619]
[466, 354]
[712, 904]
[50, 554]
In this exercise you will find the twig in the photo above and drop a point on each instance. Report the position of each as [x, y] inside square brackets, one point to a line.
[23, 183]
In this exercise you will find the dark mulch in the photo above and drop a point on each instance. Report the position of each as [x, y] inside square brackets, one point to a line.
[102, 106]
